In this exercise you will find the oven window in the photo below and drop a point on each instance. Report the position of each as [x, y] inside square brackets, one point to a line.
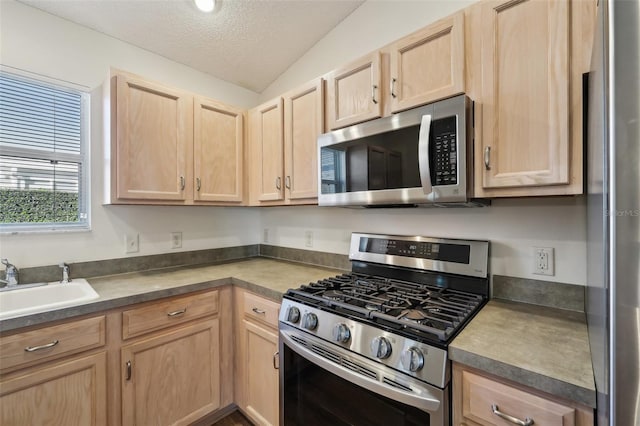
[313, 396]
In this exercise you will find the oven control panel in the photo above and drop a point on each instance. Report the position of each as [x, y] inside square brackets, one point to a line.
[425, 362]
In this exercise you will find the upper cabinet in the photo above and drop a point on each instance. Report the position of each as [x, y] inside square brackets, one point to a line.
[428, 65]
[283, 137]
[153, 140]
[529, 96]
[354, 92]
[425, 66]
[170, 147]
[217, 151]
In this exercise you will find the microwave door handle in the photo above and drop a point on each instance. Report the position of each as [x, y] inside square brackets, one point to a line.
[424, 153]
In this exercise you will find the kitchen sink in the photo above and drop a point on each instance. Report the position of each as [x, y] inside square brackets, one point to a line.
[46, 297]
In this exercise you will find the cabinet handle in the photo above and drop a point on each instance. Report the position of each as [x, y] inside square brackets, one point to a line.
[278, 183]
[287, 182]
[487, 157]
[37, 348]
[175, 313]
[393, 86]
[526, 422]
[276, 361]
[128, 370]
[198, 184]
[258, 311]
[373, 94]
[182, 183]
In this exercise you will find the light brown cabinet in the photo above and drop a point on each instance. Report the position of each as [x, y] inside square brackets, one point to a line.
[55, 375]
[482, 400]
[354, 92]
[257, 377]
[528, 100]
[428, 65]
[283, 135]
[172, 378]
[171, 147]
[422, 67]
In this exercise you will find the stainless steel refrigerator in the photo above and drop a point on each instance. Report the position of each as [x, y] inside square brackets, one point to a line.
[613, 212]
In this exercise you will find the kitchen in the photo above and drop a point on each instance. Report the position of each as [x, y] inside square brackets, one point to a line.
[513, 225]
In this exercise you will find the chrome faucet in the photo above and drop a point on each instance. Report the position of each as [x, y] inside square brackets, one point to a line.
[65, 273]
[11, 274]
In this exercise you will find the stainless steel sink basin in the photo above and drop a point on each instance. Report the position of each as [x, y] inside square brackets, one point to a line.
[48, 297]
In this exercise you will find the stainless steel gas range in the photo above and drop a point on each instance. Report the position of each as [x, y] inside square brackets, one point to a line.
[370, 347]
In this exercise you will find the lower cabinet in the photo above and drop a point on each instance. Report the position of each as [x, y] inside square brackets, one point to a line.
[480, 399]
[172, 378]
[257, 378]
[70, 392]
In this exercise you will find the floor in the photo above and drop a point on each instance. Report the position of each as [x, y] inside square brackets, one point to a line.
[234, 419]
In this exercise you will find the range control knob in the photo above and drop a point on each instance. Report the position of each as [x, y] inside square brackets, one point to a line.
[293, 314]
[380, 347]
[412, 359]
[310, 321]
[341, 333]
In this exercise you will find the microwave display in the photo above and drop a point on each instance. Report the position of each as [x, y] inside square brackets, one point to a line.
[390, 160]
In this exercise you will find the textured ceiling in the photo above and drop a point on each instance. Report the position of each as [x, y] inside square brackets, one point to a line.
[246, 42]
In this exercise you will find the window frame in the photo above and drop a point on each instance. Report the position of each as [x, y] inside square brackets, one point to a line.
[83, 159]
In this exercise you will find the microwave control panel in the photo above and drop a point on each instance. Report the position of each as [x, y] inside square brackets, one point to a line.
[445, 151]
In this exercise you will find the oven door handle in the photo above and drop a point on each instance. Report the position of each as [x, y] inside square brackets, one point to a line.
[420, 398]
[424, 154]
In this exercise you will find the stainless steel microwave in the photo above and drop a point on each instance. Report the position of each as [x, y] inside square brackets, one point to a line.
[422, 156]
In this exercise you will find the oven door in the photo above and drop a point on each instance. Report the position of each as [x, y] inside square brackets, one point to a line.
[323, 384]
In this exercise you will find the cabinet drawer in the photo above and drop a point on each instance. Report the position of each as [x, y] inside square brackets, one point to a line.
[168, 313]
[261, 309]
[482, 395]
[48, 343]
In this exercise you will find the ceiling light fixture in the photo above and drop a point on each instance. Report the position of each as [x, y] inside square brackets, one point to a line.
[205, 5]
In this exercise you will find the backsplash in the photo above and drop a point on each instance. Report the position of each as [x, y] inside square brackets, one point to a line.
[536, 292]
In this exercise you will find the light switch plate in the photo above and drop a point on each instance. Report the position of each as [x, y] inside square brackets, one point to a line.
[131, 243]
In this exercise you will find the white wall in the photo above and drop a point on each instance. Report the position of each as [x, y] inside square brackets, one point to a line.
[512, 226]
[37, 42]
[369, 27]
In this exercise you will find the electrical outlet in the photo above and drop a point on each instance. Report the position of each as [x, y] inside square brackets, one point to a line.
[176, 240]
[308, 238]
[265, 235]
[543, 262]
[131, 243]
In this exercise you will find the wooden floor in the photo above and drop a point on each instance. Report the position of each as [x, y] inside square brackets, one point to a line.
[234, 419]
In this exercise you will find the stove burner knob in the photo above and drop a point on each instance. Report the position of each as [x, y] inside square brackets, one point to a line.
[293, 314]
[412, 359]
[380, 347]
[341, 333]
[309, 321]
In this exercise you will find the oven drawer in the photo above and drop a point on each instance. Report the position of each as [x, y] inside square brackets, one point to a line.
[48, 343]
[159, 315]
[261, 309]
[488, 402]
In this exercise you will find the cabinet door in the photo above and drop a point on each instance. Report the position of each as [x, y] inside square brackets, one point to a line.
[70, 393]
[154, 131]
[303, 123]
[172, 379]
[525, 95]
[267, 167]
[428, 65]
[354, 93]
[217, 157]
[262, 395]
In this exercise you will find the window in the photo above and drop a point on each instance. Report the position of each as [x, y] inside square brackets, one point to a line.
[43, 155]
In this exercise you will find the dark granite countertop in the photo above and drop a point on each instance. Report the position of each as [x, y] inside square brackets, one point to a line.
[267, 277]
[544, 348]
